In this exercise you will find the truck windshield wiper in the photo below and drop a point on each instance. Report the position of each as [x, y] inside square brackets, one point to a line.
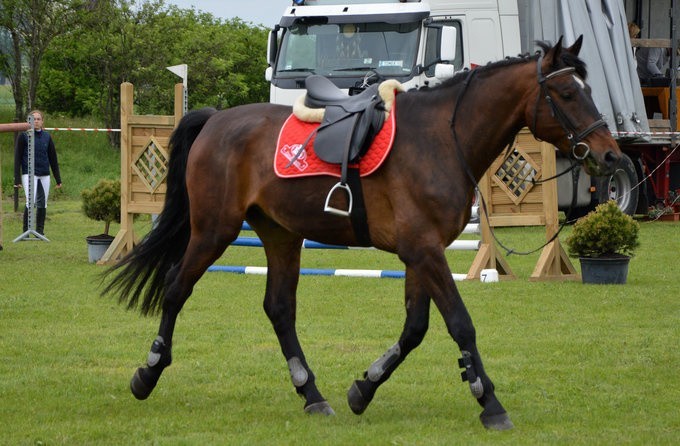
[355, 69]
[289, 70]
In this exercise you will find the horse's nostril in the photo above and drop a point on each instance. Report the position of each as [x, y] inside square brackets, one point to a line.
[611, 158]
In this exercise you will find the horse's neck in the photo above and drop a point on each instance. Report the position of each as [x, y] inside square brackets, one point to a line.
[490, 114]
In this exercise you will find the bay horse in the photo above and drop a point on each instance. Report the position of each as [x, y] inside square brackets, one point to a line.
[417, 203]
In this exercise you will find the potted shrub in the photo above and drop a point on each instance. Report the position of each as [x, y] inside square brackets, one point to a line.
[604, 241]
[101, 203]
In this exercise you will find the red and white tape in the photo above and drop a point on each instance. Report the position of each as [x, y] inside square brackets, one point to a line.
[74, 129]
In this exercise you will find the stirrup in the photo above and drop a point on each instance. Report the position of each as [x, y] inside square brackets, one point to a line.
[335, 211]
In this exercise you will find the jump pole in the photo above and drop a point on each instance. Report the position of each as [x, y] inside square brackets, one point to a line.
[30, 205]
[15, 127]
[6, 128]
[339, 272]
[254, 242]
[10, 128]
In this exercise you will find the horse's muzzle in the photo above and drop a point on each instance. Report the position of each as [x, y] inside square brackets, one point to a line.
[599, 165]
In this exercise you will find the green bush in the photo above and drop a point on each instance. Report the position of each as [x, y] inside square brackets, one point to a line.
[606, 231]
[102, 202]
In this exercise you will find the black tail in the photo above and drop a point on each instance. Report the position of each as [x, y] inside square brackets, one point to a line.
[144, 269]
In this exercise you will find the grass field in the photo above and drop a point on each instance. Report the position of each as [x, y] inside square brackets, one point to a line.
[573, 364]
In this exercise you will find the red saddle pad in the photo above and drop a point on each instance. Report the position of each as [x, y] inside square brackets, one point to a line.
[295, 132]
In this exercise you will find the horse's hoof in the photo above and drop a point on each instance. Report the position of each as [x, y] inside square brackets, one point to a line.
[498, 422]
[356, 400]
[138, 387]
[321, 407]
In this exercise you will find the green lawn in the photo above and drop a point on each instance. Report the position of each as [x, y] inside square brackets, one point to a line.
[573, 364]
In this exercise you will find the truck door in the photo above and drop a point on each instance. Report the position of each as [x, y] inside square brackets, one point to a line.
[484, 38]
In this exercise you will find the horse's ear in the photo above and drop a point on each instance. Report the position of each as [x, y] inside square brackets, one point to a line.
[552, 57]
[576, 47]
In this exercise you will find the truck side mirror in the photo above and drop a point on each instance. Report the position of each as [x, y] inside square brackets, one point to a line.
[272, 42]
[447, 52]
[443, 71]
[447, 45]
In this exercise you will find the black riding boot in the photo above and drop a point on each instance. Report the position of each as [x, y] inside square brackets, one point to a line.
[25, 219]
[40, 220]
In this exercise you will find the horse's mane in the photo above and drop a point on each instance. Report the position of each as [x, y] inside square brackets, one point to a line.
[567, 58]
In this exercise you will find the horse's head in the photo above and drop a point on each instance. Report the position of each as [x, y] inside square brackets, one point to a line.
[564, 113]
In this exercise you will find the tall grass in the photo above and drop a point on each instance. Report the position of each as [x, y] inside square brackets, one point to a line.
[573, 364]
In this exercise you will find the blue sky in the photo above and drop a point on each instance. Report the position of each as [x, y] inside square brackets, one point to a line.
[264, 12]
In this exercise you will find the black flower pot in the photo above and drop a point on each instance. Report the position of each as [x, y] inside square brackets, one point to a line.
[604, 270]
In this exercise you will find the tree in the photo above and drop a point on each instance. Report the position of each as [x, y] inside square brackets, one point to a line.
[31, 26]
[120, 40]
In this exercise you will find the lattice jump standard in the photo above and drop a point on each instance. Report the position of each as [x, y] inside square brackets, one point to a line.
[152, 165]
[515, 175]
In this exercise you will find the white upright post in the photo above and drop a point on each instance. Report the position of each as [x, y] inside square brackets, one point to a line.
[30, 202]
[182, 71]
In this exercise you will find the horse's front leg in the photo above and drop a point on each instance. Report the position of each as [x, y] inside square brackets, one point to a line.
[428, 276]
[438, 283]
[417, 305]
[283, 270]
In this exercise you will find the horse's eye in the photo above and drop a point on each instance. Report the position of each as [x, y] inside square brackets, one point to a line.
[566, 95]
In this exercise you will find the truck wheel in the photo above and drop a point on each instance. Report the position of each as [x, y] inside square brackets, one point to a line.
[620, 186]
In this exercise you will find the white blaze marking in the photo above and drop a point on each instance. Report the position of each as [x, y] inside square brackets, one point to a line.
[580, 82]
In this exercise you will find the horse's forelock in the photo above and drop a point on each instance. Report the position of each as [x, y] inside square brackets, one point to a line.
[574, 61]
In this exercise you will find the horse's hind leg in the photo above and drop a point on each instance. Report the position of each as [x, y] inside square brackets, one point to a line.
[417, 305]
[283, 270]
[200, 254]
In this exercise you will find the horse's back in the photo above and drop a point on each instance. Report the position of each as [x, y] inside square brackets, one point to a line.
[230, 160]
[239, 133]
[241, 123]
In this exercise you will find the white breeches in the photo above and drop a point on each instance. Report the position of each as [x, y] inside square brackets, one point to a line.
[41, 193]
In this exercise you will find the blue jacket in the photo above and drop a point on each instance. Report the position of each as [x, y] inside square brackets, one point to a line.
[45, 156]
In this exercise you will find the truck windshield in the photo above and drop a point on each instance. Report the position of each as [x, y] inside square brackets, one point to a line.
[348, 50]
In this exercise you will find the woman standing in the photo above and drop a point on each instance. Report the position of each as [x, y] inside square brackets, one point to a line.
[45, 157]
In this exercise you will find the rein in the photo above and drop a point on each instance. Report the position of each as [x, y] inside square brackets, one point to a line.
[575, 140]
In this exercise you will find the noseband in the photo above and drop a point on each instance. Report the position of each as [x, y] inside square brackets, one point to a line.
[573, 135]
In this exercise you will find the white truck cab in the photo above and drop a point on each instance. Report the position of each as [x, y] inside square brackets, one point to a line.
[356, 42]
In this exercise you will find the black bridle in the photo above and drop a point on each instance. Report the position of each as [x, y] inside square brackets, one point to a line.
[574, 137]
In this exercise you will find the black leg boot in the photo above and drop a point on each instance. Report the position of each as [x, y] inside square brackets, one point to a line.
[40, 220]
[25, 219]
